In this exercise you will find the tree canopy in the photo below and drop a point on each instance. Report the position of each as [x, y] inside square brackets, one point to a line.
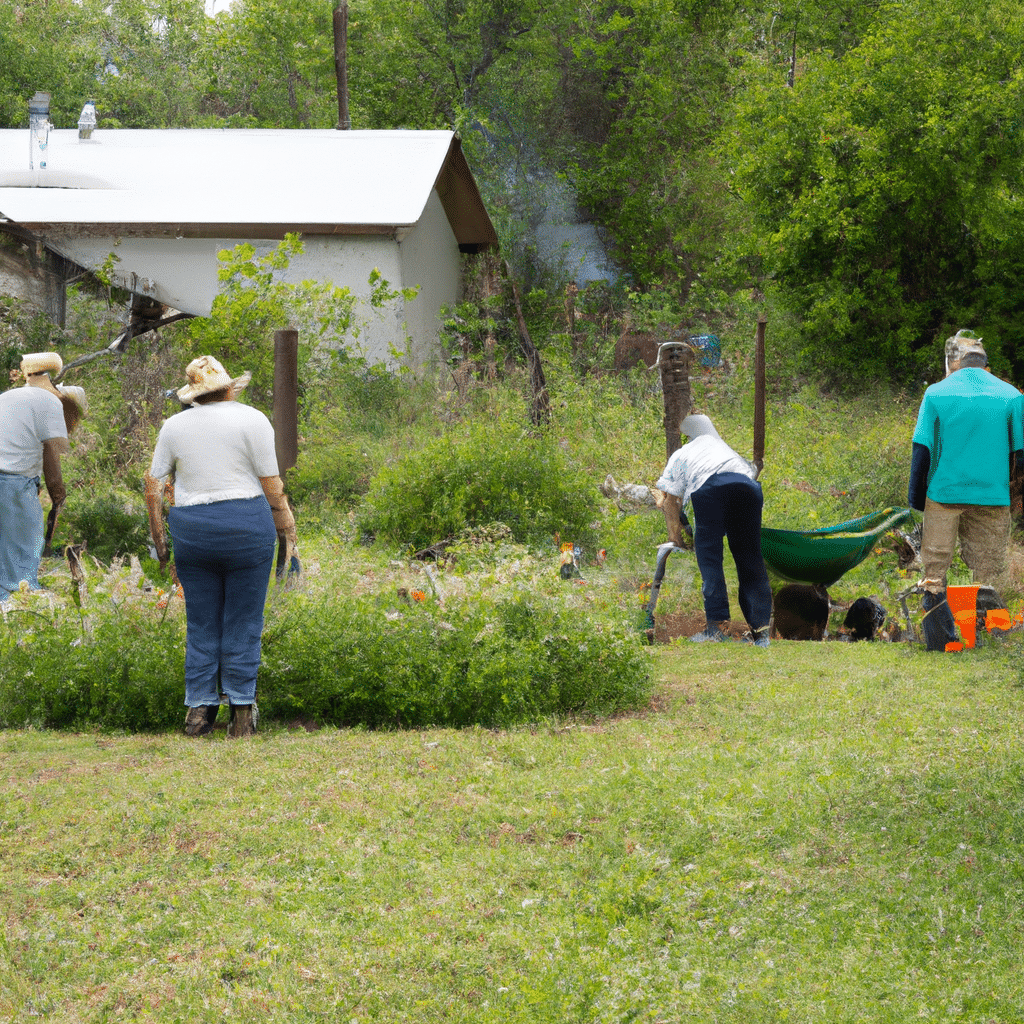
[856, 162]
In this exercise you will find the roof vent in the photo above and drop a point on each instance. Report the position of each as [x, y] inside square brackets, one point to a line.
[38, 130]
[87, 120]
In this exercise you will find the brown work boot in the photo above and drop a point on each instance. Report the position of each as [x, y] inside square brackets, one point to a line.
[199, 721]
[243, 721]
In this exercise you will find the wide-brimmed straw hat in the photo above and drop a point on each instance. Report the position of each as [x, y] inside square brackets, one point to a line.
[34, 364]
[41, 362]
[206, 375]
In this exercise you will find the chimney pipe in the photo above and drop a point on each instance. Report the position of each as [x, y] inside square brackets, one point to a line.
[38, 129]
[87, 120]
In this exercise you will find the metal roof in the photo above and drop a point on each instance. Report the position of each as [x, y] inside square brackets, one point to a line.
[240, 183]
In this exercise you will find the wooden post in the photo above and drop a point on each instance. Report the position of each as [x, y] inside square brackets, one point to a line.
[540, 411]
[759, 395]
[340, 21]
[286, 399]
[674, 359]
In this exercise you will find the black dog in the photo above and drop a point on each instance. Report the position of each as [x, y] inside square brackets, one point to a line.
[864, 618]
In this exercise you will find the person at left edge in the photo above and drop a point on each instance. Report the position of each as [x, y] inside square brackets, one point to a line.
[35, 422]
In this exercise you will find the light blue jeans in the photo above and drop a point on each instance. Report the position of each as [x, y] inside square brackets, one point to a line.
[223, 554]
[21, 532]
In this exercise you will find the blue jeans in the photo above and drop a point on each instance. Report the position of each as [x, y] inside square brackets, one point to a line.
[729, 506]
[21, 532]
[223, 554]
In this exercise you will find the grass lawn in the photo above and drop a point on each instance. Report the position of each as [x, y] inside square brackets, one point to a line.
[817, 832]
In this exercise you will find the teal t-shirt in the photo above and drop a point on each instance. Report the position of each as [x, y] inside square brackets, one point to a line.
[970, 422]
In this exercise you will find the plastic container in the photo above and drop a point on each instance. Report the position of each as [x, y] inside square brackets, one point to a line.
[963, 603]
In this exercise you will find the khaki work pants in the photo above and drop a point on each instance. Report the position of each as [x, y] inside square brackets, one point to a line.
[984, 534]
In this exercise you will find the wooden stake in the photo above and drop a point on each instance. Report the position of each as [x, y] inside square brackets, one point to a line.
[674, 361]
[286, 399]
[759, 395]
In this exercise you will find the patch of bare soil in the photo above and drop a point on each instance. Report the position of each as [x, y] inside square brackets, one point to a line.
[685, 624]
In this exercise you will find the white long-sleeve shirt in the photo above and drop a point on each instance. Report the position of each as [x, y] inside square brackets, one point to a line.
[691, 466]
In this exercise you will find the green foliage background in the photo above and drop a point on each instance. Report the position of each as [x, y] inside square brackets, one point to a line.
[859, 167]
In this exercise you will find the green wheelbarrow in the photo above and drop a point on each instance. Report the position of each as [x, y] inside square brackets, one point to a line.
[824, 556]
[808, 556]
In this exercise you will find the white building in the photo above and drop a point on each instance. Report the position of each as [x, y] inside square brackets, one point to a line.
[165, 202]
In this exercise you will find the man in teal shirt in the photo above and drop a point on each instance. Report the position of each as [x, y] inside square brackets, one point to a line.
[969, 427]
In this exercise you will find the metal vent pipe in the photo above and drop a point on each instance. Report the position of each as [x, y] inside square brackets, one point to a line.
[87, 120]
[38, 130]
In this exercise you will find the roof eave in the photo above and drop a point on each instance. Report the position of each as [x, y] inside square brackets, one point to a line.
[463, 206]
[188, 230]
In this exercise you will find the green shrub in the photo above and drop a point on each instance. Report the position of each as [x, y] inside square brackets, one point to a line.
[473, 662]
[127, 672]
[111, 524]
[338, 469]
[480, 472]
[342, 661]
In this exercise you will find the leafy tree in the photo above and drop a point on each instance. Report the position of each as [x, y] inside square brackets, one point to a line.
[149, 77]
[433, 58]
[884, 186]
[647, 82]
[270, 64]
[52, 47]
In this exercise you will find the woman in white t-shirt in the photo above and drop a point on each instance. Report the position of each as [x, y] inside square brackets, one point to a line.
[229, 508]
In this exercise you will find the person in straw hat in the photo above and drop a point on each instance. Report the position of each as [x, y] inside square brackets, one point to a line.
[969, 427]
[35, 422]
[229, 509]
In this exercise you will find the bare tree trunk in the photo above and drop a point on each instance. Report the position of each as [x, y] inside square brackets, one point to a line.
[759, 396]
[792, 59]
[571, 291]
[341, 63]
[490, 342]
[541, 410]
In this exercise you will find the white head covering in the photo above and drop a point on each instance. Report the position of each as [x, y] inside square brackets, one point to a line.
[961, 345]
[696, 425]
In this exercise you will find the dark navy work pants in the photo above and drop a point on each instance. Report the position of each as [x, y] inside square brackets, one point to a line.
[223, 554]
[728, 506]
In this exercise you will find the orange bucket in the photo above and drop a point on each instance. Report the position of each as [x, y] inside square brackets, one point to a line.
[967, 623]
[963, 603]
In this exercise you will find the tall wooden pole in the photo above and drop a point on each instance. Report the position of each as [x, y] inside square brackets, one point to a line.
[674, 362]
[286, 399]
[341, 63]
[759, 395]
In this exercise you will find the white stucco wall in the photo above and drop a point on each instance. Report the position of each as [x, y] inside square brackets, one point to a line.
[182, 273]
[347, 262]
[431, 260]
